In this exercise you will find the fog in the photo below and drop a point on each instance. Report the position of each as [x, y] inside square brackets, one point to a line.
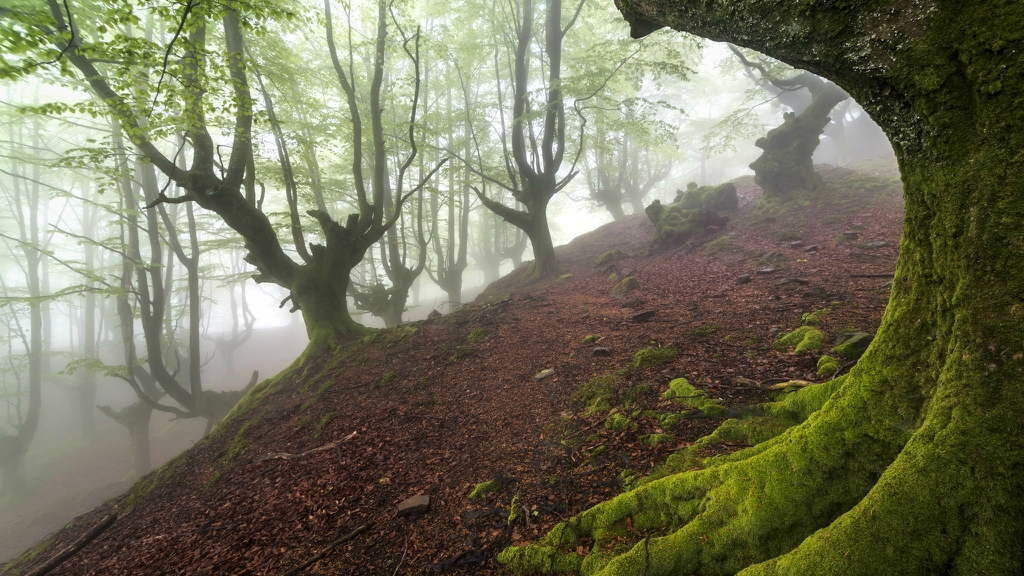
[67, 227]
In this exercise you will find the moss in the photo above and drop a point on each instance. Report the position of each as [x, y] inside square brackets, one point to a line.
[814, 318]
[618, 421]
[477, 335]
[321, 425]
[591, 338]
[598, 393]
[653, 356]
[827, 366]
[484, 488]
[538, 560]
[655, 440]
[609, 257]
[680, 390]
[625, 286]
[515, 510]
[669, 419]
[803, 339]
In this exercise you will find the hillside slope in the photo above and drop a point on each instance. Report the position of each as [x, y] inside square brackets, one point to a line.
[336, 442]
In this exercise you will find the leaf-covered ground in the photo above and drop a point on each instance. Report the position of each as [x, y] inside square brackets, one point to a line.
[439, 406]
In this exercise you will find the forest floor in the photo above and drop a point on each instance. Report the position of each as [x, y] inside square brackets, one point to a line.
[436, 407]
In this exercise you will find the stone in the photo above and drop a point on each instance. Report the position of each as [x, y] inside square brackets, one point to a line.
[434, 315]
[853, 345]
[744, 279]
[412, 505]
[795, 244]
[812, 248]
[851, 235]
[543, 374]
[766, 270]
[600, 351]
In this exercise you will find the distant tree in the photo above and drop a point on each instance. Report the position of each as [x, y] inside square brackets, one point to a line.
[787, 161]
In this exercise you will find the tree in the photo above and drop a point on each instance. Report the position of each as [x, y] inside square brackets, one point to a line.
[318, 284]
[786, 164]
[533, 164]
[913, 464]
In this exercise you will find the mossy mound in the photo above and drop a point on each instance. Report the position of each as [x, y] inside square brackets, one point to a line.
[618, 421]
[653, 356]
[609, 257]
[692, 214]
[625, 286]
[827, 366]
[803, 339]
[680, 390]
[814, 318]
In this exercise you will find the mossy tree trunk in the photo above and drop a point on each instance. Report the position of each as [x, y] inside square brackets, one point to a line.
[914, 465]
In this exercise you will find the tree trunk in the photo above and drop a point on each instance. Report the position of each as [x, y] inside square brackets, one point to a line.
[614, 206]
[914, 465]
[545, 265]
[786, 164]
[321, 293]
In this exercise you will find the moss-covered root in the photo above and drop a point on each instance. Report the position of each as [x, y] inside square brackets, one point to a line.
[755, 504]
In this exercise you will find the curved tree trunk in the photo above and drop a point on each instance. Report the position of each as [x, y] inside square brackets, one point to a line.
[786, 164]
[914, 465]
[545, 264]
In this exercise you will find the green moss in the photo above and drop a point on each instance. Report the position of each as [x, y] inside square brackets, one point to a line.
[618, 421]
[484, 488]
[653, 356]
[827, 366]
[609, 257]
[538, 560]
[814, 318]
[803, 339]
[321, 425]
[680, 390]
[625, 286]
[515, 510]
[655, 440]
[598, 394]
[477, 335]
[591, 338]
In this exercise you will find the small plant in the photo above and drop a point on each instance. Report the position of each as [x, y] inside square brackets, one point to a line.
[484, 488]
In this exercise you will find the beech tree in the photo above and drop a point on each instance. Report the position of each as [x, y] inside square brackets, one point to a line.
[911, 463]
[318, 282]
[786, 164]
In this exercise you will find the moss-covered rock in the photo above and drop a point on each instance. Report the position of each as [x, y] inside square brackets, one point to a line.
[655, 440]
[803, 339]
[827, 366]
[853, 345]
[680, 390]
[653, 356]
[625, 286]
[609, 257]
[598, 394]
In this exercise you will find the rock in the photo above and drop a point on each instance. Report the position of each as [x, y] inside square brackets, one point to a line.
[877, 245]
[543, 374]
[853, 345]
[643, 316]
[795, 244]
[434, 315]
[812, 248]
[851, 235]
[766, 270]
[625, 286]
[743, 381]
[599, 351]
[417, 504]
[800, 281]
[744, 279]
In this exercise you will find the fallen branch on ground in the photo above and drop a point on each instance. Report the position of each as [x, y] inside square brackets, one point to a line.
[326, 551]
[288, 456]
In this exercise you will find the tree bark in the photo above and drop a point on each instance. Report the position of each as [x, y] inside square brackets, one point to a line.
[913, 465]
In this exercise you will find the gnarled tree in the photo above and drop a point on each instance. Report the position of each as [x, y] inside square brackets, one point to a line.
[787, 161]
[913, 464]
